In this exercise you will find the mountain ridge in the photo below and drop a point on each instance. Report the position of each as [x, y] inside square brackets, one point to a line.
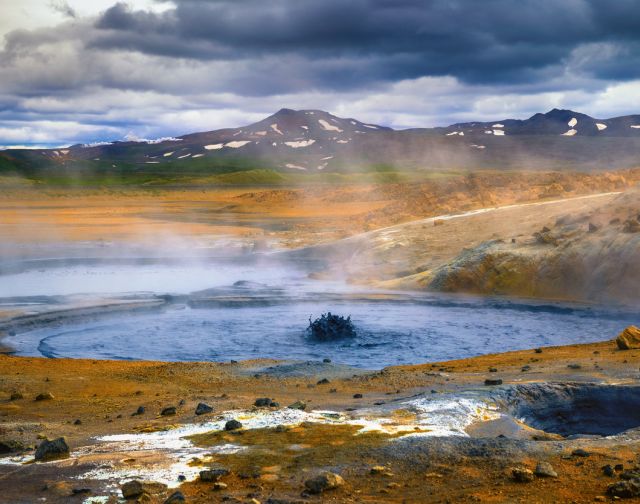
[312, 140]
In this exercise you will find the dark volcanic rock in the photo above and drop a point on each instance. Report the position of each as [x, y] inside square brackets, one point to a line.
[625, 489]
[298, 405]
[49, 450]
[11, 446]
[232, 425]
[45, 396]
[171, 410]
[175, 498]
[493, 381]
[203, 409]
[263, 402]
[211, 475]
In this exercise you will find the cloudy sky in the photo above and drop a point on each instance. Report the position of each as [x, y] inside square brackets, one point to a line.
[82, 71]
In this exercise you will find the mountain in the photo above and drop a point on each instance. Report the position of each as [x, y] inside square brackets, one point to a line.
[555, 122]
[313, 140]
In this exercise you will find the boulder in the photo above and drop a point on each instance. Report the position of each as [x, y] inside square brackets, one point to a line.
[522, 474]
[629, 338]
[625, 489]
[50, 450]
[45, 396]
[232, 425]
[203, 409]
[545, 470]
[323, 482]
[263, 402]
[298, 405]
[171, 410]
[135, 488]
[11, 446]
[175, 498]
[212, 475]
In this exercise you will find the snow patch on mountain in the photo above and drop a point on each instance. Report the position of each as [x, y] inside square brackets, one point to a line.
[300, 143]
[572, 122]
[275, 128]
[214, 146]
[601, 126]
[237, 144]
[329, 127]
[571, 132]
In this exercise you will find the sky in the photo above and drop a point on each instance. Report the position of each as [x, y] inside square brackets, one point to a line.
[82, 71]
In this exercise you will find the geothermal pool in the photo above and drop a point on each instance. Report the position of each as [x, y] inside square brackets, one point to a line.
[269, 319]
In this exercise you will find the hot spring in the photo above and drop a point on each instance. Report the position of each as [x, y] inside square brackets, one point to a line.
[267, 317]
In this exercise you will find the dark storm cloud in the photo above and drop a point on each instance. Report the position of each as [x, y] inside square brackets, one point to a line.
[192, 65]
[478, 42]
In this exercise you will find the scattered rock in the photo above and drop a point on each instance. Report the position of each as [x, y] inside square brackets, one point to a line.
[81, 491]
[538, 350]
[298, 405]
[522, 474]
[232, 425]
[203, 409]
[631, 474]
[625, 489]
[11, 446]
[45, 396]
[574, 366]
[219, 485]
[212, 475]
[324, 381]
[631, 226]
[50, 450]
[168, 411]
[493, 381]
[77, 421]
[592, 228]
[16, 396]
[175, 498]
[545, 470]
[579, 452]
[264, 402]
[326, 361]
[357, 396]
[324, 482]
[139, 411]
[135, 488]
[493, 370]
[608, 470]
[629, 338]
